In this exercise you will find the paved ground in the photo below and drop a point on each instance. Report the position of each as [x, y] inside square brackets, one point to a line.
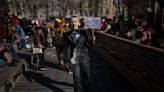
[103, 77]
[51, 80]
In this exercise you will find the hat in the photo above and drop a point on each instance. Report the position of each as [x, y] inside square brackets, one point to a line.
[57, 20]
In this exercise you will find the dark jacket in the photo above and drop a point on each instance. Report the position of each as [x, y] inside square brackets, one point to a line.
[39, 39]
[70, 43]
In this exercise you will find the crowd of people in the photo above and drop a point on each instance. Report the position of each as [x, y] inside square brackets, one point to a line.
[11, 32]
[51, 31]
[137, 29]
[17, 30]
[66, 35]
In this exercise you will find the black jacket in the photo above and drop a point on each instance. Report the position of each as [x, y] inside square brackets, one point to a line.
[39, 39]
[71, 43]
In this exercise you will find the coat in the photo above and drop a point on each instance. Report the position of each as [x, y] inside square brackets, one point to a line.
[75, 49]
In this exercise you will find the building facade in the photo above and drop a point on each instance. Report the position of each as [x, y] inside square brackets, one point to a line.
[107, 8]
[45, 8]
[33, 8]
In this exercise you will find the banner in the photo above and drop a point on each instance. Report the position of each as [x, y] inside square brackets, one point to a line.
[92, 22]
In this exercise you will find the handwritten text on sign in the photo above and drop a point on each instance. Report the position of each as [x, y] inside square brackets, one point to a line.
[92, 23]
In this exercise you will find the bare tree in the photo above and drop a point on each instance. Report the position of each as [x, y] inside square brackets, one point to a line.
[80, 7]
[63, 5]
[96, 7]
[33, 6]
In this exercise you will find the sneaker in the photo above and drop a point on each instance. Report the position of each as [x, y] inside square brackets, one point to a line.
[54, 47]
[43, 68]
[70, 72]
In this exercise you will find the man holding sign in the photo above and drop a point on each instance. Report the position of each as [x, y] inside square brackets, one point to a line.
[75, 54]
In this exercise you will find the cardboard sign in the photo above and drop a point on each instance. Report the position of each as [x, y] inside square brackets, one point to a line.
[92, 22]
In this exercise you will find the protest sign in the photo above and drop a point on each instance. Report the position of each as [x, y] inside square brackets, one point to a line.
[92, 22]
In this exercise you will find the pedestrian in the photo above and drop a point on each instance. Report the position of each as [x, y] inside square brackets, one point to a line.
[5, 56]
[39, 42]
[75, 54]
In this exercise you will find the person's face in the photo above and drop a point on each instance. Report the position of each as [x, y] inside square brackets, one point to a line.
[75, 23]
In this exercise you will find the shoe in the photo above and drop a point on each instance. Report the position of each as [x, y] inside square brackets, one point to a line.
[54, 47]
[70, 72]
[43, 68]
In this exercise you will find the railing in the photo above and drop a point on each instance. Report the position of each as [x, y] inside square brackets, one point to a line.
[145, 61]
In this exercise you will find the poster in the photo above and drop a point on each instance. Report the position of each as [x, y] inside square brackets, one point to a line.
[92, 22]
